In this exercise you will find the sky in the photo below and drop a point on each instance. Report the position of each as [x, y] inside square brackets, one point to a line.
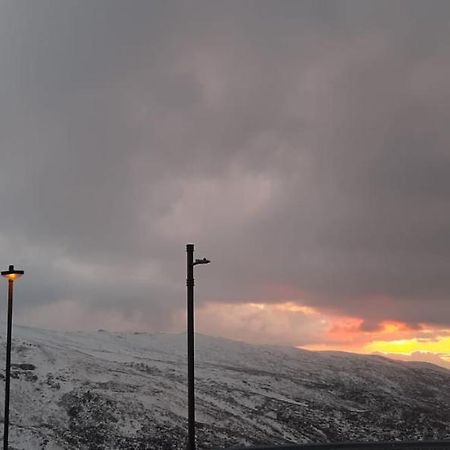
[303, 146]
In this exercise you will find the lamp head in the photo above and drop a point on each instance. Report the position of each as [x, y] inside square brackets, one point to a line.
[12, 274]
[201, 261]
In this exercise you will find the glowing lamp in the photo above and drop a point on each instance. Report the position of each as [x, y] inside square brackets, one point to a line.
[12, 274]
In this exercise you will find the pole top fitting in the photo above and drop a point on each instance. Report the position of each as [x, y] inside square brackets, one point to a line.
[11, 273]
[201, 261]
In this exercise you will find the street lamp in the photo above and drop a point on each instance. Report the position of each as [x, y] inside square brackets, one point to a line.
[11, 275]
[190, 340]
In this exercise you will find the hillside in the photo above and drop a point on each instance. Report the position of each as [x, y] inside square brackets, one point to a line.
[105, 390]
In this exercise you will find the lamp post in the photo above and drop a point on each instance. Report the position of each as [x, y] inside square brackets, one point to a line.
[190, 341]
[11, 275]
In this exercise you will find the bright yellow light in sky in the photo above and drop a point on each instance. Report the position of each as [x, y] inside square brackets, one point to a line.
[440, 346]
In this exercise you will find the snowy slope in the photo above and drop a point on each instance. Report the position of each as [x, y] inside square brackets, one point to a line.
[105, 390]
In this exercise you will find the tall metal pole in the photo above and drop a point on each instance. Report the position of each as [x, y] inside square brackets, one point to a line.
[8, 364]
[11, 274]
[190, 345]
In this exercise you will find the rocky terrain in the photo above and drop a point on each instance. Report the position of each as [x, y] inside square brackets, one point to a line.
[105, 390]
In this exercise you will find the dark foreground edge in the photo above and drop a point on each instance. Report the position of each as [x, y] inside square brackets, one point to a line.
[404, 445]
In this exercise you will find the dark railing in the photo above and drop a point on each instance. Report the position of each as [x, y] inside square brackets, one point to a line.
[404, 445]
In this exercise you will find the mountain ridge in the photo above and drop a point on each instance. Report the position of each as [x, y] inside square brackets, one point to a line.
[111, 390]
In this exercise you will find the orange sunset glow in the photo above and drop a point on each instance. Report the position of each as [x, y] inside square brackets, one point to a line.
[294, 323]
[392, 338]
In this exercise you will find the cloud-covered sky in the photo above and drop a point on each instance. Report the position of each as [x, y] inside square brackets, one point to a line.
[303, 146]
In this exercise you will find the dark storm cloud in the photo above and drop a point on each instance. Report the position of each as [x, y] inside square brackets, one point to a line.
[303, 145]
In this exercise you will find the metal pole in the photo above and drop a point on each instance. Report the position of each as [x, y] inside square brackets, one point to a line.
[190, 345]
[8, 364]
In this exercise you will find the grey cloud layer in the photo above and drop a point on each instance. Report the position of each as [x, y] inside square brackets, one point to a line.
[300, 144]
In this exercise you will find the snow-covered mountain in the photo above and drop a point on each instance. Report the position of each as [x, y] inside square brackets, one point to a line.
[105, 390]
